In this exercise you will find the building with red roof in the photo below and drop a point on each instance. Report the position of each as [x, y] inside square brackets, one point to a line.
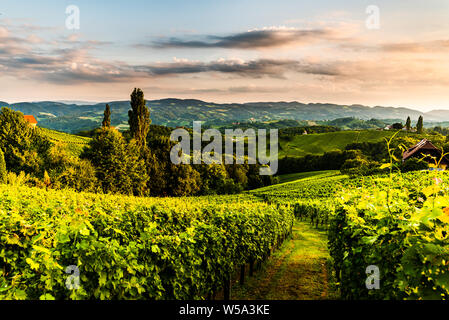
[31, 120]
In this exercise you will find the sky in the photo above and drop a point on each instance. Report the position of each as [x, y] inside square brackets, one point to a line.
[388, 53]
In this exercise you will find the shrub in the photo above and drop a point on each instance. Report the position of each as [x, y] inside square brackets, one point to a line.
[414, 164]
[20, 179]
[80, 176]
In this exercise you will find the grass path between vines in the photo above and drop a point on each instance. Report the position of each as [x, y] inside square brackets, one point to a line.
[297, 271]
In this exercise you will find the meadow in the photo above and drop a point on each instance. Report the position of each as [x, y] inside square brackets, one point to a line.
[320, 143]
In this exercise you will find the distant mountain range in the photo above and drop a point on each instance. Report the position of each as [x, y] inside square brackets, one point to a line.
[74, 117]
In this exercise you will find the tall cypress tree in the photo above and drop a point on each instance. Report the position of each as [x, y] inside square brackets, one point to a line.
[408, 124]
[420, 125]
[139, 118]
[2, 167]
[107, 117]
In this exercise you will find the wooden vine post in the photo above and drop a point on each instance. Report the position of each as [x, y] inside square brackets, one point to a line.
[227, 288]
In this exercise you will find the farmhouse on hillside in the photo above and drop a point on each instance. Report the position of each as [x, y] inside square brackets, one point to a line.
[427, 151]
[31, 120]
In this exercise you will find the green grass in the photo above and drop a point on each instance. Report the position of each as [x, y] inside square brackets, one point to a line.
[299, 270]
[323, 142]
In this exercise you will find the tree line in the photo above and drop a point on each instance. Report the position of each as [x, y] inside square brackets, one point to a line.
[135, 162]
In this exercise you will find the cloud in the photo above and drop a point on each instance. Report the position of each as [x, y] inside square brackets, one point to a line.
[70, 61]
[54, 62]
[425, 46]
[253, 69]
[274, 68]
[223, 90]
[253, 39]
[433, 46]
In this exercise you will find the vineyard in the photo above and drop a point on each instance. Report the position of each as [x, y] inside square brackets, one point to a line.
[319, 184]
[72, 143]
[400, 225]
[191, 248]
[129, 248]
[397, 223]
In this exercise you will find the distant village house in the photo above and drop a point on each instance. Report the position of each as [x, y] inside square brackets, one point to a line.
[427, 151]
[31, 120]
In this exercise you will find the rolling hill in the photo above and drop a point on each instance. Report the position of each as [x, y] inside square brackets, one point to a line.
[72, 143]
[300, 145]
[71, 117]
[320, 143]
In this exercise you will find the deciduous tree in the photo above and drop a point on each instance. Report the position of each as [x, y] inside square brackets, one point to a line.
[117, 164]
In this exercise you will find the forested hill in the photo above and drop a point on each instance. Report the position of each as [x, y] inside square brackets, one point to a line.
[175, 112]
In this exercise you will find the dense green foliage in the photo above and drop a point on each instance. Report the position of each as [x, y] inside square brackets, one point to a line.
[333, 160]
[351, 123]
[25, 148]
[401, 226]
[129, 248]
[288, 134]
[118, 166]
[322, 184]
[3, 172]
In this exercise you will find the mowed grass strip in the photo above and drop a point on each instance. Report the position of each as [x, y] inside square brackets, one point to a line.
[297, 271]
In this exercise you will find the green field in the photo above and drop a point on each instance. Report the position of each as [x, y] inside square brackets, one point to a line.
[323, 142]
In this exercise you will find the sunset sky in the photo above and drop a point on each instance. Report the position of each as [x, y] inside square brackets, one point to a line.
[227, 51]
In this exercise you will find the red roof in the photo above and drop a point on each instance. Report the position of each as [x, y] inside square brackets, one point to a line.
[30, 119]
